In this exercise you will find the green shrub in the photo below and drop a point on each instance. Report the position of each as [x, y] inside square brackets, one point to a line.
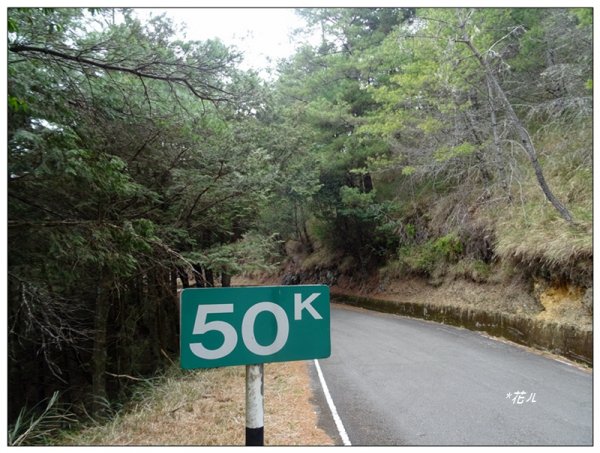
[447, 248]
[472, 269]
[429, 257]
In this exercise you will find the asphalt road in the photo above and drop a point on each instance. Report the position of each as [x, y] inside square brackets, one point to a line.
[401, 381]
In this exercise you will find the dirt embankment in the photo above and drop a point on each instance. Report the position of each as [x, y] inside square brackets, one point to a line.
[562, 304]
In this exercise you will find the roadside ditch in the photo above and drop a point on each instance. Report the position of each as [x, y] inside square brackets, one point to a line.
[562, 339]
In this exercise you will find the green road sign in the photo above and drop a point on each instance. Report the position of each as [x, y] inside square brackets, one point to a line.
[250, 325]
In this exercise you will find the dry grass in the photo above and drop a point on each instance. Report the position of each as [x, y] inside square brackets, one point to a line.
[530, 231]
[552, 238]
[504, 297]
[207, 407]
[541, 239]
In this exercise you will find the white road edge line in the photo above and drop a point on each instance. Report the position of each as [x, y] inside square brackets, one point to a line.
[336, 417]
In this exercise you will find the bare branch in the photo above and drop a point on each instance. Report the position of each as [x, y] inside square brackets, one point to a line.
[206, 189]
[21, 48]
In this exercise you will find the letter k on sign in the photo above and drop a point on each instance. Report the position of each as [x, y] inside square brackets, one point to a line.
[300, 305]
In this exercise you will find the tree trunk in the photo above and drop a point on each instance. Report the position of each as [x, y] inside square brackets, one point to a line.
[199, 276]
[520, 128]
[183, 275]
[367, 183]
[225, 279]
[531, 152]
[210, 278]
[99, 353]
[151, 317]
[306, 241]
[500, 167]
[297, 224]
[479, 155]
[173, 283]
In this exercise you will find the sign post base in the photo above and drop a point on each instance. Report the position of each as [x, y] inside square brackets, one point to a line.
[255, 405]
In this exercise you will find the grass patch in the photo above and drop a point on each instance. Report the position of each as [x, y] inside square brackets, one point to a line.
[207, 407]
[475, 270]
[321, 258]
[38, 427]
[542, 242]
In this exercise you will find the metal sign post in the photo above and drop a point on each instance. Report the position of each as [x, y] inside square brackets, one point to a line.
[255, 384]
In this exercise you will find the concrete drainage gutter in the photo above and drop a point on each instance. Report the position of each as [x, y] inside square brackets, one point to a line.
[565, 340]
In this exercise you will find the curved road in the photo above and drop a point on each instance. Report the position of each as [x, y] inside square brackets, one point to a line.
[402, 381]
